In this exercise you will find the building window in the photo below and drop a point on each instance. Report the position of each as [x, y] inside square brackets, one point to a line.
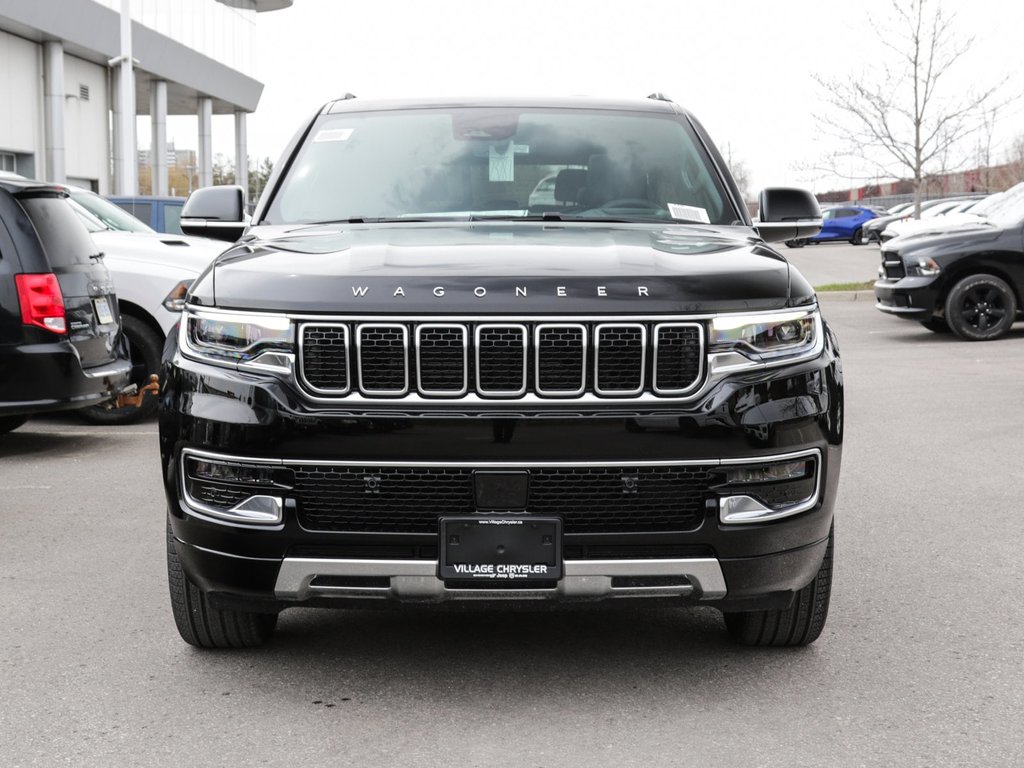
[8, 162]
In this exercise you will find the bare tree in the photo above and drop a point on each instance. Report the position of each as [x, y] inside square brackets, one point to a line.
[899, 118]
[741, 175]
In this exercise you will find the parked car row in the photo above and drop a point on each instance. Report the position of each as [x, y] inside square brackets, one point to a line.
[903, 215]
[964, 275]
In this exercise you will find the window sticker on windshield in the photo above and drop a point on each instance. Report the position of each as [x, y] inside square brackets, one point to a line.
[333, 134]
[502, 166]
[691, 212]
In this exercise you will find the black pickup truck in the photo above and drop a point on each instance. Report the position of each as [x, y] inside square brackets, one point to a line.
[500, 350]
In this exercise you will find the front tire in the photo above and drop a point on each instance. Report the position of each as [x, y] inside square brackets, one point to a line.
[858, 237]
[146, 350]
[202, 625]
[797, 243]
[798, 625]
[981, 308]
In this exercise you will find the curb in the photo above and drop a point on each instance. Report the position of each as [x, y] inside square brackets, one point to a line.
[846, 296]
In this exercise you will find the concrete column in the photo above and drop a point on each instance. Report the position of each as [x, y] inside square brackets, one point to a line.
[241, 153]
[205, 114]
[126, 175]
[53, 111]
[158, 154]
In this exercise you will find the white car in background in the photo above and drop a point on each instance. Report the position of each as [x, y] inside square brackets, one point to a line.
[955, 218]
[151, 273]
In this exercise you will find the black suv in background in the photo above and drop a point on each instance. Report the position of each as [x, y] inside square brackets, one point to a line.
[966, 279]
[414, 379]
[61, 345]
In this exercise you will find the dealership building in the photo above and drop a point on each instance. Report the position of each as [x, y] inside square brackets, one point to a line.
[74, 74]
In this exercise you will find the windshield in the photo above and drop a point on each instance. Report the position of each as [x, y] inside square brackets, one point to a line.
[108, 213]
[501, 163]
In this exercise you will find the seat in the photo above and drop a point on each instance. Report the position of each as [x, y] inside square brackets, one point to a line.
[608, 180]
[568, 184]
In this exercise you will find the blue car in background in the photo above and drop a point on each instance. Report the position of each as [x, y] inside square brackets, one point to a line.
[160, 213]
[839, 223]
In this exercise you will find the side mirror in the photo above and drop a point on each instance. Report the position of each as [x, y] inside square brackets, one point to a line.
[787, 214]
[217, 212]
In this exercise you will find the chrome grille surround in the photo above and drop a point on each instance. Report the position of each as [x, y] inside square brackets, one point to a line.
[548, 359]
[542, 348]
[690, 387]
[421, 348]
[341, 328]
[361, 356]
[602, 329]
[478, 345]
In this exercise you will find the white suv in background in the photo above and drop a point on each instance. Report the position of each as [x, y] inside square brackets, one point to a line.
[151, 273]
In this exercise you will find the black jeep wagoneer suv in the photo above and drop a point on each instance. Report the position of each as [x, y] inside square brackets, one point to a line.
[501, 350]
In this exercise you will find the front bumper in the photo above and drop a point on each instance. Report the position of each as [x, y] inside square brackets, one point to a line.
[913, 298]
[758, 417]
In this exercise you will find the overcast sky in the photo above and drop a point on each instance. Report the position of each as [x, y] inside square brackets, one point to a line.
[744, 67]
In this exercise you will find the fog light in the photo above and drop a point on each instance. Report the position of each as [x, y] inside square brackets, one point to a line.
[203, 469]
[769, 473]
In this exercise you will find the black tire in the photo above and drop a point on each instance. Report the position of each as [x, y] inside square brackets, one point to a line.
[981, 308]
[146, 349]
[11, 423]
[937, 325]
[858, 236]
[797, 243]
[798, 625]
[204, 626]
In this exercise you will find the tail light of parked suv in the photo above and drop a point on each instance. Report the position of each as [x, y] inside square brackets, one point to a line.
[42, 303]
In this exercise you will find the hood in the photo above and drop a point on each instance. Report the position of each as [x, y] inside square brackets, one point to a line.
[936, 224]
[489, 267]
[192, 254]
[978, 231]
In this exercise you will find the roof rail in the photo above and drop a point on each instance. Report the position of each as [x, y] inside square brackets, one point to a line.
[659, 96]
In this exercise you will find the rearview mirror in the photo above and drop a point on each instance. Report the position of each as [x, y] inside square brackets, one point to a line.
[217, 212]
[786, 213]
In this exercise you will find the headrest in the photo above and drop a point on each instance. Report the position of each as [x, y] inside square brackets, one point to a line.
[568, 184]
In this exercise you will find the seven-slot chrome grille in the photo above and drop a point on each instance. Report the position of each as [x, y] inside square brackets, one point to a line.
[491, 359]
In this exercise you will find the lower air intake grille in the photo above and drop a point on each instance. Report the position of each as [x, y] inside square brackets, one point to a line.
[589, 499]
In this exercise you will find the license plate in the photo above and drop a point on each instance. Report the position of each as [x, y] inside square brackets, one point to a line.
[501, 549]
[103, 314]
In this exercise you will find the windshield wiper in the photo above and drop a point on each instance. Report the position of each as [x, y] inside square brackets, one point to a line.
[553, 216]
[383, 220]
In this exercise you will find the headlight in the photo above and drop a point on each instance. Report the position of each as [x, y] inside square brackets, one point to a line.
[175, 301]
[235, 338]
[922, 267]
[768, 335]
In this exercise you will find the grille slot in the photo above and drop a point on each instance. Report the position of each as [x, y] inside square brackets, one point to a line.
[441, 353]
[561, 364]
[383, 360]
[678, 357]
[589, 499]
[325, 358]
[620, 354]
[501, 360]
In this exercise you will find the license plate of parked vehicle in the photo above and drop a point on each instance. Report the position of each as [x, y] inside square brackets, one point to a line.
[103, 313]
[501, 548]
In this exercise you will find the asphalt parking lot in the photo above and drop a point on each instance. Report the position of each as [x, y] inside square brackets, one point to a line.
[921, 662]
